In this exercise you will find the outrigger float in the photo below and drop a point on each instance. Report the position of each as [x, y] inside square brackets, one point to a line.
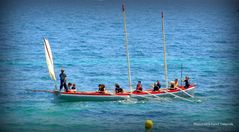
[99, 96]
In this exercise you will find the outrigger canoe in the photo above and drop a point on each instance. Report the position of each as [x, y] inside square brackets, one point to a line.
[96, 96]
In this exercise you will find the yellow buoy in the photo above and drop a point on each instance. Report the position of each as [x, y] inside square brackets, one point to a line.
[148, 124]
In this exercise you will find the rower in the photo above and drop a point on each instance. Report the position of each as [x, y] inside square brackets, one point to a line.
[63, 80]
[118, 89]
[156, 88]
[139, 87]
[187, 84]
[69, 86]
[101, 88]
[73, 88]
[175, 83]
[158, 84]
[172, 85]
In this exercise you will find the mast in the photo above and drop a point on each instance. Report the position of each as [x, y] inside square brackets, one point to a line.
[126, 47]
[181, 74]
[164, 51]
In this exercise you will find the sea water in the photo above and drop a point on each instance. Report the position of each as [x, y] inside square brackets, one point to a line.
[87, 40]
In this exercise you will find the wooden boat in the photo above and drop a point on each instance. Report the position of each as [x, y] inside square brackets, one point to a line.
[99, 96]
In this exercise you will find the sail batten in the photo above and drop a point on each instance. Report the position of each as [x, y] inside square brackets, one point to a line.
[49, 59]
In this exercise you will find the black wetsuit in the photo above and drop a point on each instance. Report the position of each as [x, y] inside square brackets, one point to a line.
[101, 89]
[63, 81]
[159, 85]
[172, 86]
[186, 84]
[156, 88]
[118, 90]
[73, 88]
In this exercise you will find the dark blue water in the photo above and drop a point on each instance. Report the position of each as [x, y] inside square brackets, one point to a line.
[87, 40]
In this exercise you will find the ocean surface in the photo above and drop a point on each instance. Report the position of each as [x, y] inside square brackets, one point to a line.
[87, 40]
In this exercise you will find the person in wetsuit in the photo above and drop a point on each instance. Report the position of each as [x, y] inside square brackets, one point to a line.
[158, 84]
[69, 86]
[172, 84]
[118, 89]
[101, 88]
[63, 80]
[73, 88]
[175, 83]
[139, 87]
[187, 84]
[156, 88]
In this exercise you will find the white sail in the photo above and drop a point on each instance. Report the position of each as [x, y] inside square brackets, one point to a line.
[49, 59]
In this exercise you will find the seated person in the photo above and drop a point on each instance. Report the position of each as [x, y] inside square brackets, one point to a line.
[156, 88]
[175, 83]
[139, 87]
[172, 85]
[101, 88]
[187, 84]
[69, 86]
[73, 88]
[158, 84]
[118, 89]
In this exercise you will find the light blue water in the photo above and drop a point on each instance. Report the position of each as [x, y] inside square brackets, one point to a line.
[87, 39]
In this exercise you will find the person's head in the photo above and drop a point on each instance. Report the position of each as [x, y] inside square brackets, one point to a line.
[99, 85]
[69, 84]
[102, 85]
[176, 80]
[74, 85]
[62, 70]
[158, 81]
[117, 85]
[139, 81]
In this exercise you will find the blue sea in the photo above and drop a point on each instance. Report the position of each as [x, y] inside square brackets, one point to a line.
[87, 40]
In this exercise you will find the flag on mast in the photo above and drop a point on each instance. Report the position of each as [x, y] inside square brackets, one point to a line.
[123, 7]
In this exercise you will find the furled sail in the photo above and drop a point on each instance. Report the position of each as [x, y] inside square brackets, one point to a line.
[49, 59]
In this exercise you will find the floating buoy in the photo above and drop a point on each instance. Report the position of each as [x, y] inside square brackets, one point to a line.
[148, 124]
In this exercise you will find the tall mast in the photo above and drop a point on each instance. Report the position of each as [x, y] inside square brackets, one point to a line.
[181, 74]
[164, 51]
[126, 47]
